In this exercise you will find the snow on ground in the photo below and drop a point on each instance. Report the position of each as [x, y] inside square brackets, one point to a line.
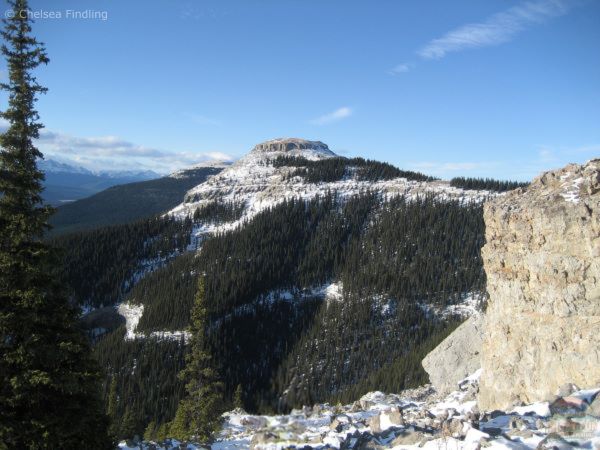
[415, 418]
[465, 308]
[133, 313]
[187, 172]
[255, 181]
[571, 188]
[329, 292]
[149, 265]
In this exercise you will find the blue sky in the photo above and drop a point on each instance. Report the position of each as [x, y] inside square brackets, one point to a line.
[478, 88]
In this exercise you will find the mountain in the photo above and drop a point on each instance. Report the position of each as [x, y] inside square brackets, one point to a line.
[283, 169]
[132, 201]
[65, 183]
[326, 278]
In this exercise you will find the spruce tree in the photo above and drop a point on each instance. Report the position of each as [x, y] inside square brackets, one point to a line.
[113, 407]
[128, 424]
[198, 413]
[150, 431]
[49, 385]
[238, 400]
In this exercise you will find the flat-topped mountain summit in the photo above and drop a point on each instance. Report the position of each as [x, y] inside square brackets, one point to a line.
[286, 145]
[290, 147]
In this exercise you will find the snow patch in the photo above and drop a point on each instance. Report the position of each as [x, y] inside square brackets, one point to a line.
[571, 188]
[467, 307]
[132, 314]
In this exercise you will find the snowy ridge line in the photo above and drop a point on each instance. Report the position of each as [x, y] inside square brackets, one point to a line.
[184, 173]
[254, 181]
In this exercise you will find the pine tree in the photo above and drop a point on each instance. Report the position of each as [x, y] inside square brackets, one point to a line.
[112, 407]
[49, 385]
[198, 413]
[238, 400]
[128, 425]
[150, 432]
[162, 432]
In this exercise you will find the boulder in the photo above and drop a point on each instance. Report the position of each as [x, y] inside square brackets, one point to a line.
[253, 422]
[410, 437]
[542, 262]
[456, 357]
[554, 442]
[453, 427]
[594, 408]
[374, 423]
[262, 438]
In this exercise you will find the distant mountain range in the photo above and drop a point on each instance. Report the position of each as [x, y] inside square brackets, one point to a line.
[65, 183]
[121, 203]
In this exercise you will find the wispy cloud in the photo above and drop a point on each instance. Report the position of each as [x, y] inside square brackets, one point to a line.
[334, 116]
[108, 152]
[401, 68]
[444, 168]
[497, 29]
[591, 150]
[203, 120]
[546, 155]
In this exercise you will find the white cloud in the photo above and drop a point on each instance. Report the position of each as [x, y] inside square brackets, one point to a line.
[335, 116]
[497, 29]
[401, 68]
[111, 152]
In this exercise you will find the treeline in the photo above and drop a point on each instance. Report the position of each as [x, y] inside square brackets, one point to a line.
[334, 169]
[488, 184]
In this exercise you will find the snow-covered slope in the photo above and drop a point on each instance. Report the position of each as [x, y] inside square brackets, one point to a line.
[413, 419]
[254, 181]
[188, 171]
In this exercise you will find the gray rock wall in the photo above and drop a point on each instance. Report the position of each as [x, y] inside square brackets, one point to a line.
[456, 357]
[542, 260]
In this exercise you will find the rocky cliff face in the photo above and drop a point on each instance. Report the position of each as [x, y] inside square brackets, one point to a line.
[290, 144]
[457, 356]
[542, 260]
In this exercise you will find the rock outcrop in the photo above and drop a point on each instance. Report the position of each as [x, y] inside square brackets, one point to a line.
[456, 357]
[291, 144]
[542, 260]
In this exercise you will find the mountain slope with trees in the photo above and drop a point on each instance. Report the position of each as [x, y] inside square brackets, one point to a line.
[265, 285]
[128, 202]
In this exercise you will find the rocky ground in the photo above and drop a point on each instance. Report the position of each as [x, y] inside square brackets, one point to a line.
[418, 418]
